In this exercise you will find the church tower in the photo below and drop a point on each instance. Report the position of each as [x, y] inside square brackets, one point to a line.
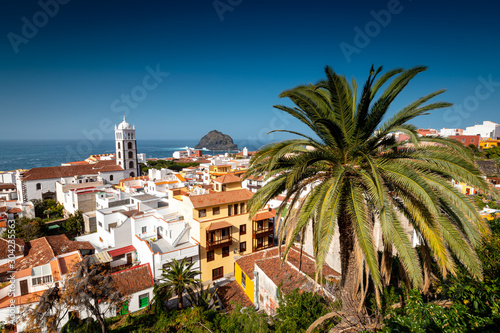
[126, 149]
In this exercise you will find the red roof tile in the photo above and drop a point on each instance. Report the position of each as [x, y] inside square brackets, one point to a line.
[122, 250]
[7, 186]
[218, 225]
[220, 198]
[134, 279]
[231, 293]
[264, 215]
[18, 247]
[227, 179]
[71, 170]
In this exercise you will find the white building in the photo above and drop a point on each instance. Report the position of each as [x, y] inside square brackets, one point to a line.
[80, 197]
[146, 231]
[160, 181]
[126, 149]
[446, 132]
[488, 129]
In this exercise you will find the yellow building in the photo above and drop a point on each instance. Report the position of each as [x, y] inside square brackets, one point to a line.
[223, 227]
[489, 143]
[216, 171]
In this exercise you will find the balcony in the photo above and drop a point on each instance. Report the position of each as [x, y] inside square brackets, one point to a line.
[218, 243]
[263, 232]
[259, 247]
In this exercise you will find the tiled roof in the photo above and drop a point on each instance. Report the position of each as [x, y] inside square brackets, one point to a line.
[4, 246]
[285, 274]
[218, 225]
[42, 250]
[227, 179]
[134, 279]
[71, 170]
[264, 215]
[231, 293]
[180, 177]
[258, 179]
[61, 244]
[247, 262]
[220, 198]
[7, 186]
[68, 263]
[14, 210]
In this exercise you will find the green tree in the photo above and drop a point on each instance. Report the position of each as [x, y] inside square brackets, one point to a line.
[74, 222]
[179, 276]
[360, 173]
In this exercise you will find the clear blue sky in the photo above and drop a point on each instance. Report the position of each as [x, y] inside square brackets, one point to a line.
[228, 65]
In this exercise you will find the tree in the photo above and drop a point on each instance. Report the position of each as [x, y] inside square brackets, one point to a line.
[201, 296]
[47, 314]
[28, 229]
[180, 276]
[91, 288]
[74, 222]
[360, 174]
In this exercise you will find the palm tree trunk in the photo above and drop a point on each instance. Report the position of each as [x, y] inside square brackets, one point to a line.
[349, 281]
[179, 300]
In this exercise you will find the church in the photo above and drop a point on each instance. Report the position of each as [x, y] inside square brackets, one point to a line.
[40, 183]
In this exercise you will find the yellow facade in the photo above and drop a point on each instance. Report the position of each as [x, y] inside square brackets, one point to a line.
[248, 286]
[489, 143]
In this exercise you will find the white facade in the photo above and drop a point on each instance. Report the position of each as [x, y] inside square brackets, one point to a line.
[446, 132]
[126, 149]
[488, 129]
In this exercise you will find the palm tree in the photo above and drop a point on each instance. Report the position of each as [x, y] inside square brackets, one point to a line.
[179, 276]
[359, 175]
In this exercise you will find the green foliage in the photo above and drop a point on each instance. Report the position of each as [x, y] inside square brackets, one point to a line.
[48, 209]
[179, 276]
[76, 325]
[244, 320]
[160, 164]
[28, 229]
[74, 222]
[492, 153]
[297, 311]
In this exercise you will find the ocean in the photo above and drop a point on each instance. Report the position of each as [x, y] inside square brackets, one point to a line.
[27, 154]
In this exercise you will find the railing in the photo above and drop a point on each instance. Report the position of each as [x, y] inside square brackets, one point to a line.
[262, 247]
[263, 232]
[218, 243]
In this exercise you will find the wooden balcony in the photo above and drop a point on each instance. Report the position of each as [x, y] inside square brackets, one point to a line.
[219, 242]
[263, 232]
[262, 247]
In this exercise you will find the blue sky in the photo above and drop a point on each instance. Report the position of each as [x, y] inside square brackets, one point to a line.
[228, 60]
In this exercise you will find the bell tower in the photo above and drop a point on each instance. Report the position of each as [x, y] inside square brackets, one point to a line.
[126, 149]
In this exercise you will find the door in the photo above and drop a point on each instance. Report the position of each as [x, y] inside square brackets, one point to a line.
[129, 258]
[24, 287]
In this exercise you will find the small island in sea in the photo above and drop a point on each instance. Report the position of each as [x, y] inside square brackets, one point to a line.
[216, 140]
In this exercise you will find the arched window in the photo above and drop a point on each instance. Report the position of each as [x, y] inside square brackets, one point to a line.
[111, 177]
[130, 145]
[38, 186]
[130, 154]
[131, 165]
[119, 155]
[118, 145]
[132, 174]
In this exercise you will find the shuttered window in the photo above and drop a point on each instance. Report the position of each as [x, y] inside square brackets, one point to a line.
[143, 300]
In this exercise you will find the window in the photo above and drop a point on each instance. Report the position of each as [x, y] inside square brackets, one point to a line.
[130, 145]
[210, 255]
[131, 164]
[42, 279]
[472, 140]
[144, 229]
[225, 251]
[111, 177]
[216, 210]
[242, 208]
[118, 145]
[243, 280]
[202, 213]
[100, 224]
[235, 209]
[224, 232]
[130, 154]
[243, 229]
[143, 300]
[119, 155]
[217, 273]
[230, 210]
[243, 246]
[270, 240]
[38, 186]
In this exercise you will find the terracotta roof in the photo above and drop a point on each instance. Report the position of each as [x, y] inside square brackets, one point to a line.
[134, 279]
[258, 179]
[180, 177]
[4, 246]
[218, 225]
[43, 250]
[61, 244]
[264, 215]
[247, 262]
[231, 293]
[3, 209]
[220, 198]
[122, 250]
[70, 170]
[7, 186]
[131, 213]
[68, 263]
[227, 179]
[14, 210]
[21, 300]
